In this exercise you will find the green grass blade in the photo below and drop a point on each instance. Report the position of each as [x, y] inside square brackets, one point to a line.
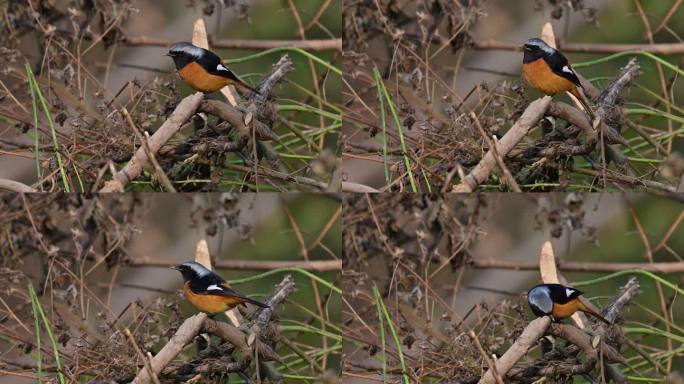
[630, 53]
[48, 329]
[308, 108]
[395, 116]
[51, 123]
[393, 331]
[378, 80]
[376, 294]
[36, 324]
[629, 272]
[286, 49]
[652, 112]
[306, 273]
[36, 132]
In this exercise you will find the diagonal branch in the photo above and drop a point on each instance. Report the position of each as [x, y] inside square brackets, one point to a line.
[530, 117]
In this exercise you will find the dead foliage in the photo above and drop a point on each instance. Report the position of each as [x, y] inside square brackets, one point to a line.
[396, 244]
[73, 47]
[427, 135]
[73, 249]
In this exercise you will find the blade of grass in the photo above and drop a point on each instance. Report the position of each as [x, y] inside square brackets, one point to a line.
[310, 329]
[651, 112]
[286, 49]
[629, 53]
[376, 293]
[36, 324]
[395, 116]
[48, 329]
[308, 108]
[51, 124]
[298, 270]
[627, 272]
[378, 80]
[393, 331]
[36, 133]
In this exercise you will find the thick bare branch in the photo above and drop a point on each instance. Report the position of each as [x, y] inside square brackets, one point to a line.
[134, 167]
[529, 337]
[483, 169]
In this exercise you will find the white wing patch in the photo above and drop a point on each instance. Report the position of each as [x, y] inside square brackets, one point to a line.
[567, 69]
[569, 292]
[214, 287]
[222, 68]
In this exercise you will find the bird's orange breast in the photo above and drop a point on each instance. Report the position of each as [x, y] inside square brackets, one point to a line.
[562, 311]
[539, 76]
[210, 303]
[201, 80]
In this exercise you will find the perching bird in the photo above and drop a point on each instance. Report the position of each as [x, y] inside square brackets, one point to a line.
[558, 301]
[207, 291]
[547, 70]
[202, 69]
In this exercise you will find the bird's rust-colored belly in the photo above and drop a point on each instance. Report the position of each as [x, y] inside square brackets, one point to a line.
[540, 77]
[562, 311]
[210, 303]
[199, 79]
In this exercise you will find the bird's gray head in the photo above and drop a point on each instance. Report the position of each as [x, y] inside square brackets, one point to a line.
[191, 270]
[536, 48]
[183, 53]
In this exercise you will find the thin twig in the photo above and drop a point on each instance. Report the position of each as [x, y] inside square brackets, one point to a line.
[311, 45]
[579, 266]
[659, 49]
[256, 265]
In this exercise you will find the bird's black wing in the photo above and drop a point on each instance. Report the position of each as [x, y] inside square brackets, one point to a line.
[560, 66]
[212, 64]
[213, 284]
[562, 294]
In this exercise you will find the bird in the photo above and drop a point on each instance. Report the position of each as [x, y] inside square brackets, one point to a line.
[558, 301]
[209, 292]
[546, 69]
[202, 69]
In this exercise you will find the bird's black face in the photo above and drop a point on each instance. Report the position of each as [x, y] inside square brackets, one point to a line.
[191, 270]
[185, 271]
[184, 53]
[535, 49]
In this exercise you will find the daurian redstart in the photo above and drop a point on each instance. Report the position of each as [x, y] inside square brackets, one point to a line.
[547, 70]
[558, 301]
[202, 69]
[207, 291]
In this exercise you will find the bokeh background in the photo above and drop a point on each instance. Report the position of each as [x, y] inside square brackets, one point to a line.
[123, 56]
[461, 65]
[447, 241]
[116, 243]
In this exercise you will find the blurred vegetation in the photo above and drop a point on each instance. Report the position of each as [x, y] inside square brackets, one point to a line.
[57, 242]
[427, 53]
[422, 256]
[89, 130]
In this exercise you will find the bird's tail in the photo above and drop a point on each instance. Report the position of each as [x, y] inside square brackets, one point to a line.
[583, 100]
[241, 83]
[589, 311]
[251, 301]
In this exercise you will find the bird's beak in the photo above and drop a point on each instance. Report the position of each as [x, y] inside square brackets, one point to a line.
[167, 54]
[174, 267]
